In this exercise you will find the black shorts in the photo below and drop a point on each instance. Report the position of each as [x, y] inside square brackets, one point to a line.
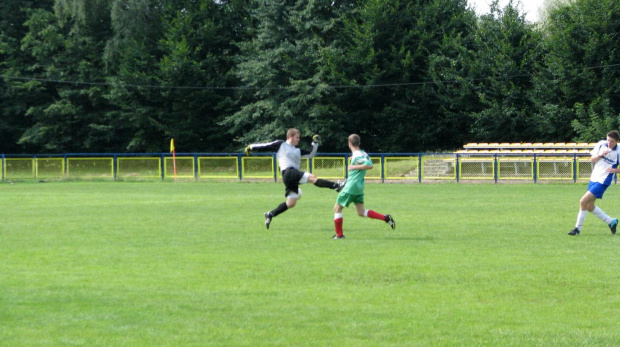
[291, 178]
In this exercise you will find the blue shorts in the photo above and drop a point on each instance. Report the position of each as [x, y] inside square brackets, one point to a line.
[597, 189]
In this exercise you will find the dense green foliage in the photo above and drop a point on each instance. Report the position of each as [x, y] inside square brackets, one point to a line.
[408, 75]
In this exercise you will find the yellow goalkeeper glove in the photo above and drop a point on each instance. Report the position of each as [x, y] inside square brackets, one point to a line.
[248, 150]
[316, 138]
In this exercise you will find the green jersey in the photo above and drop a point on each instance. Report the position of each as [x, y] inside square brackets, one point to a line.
[355, 181]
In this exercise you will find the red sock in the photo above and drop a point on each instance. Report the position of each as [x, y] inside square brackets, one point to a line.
[374, 215]
[338, 224]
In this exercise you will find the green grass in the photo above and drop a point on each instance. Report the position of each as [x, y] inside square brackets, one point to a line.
[165, 264]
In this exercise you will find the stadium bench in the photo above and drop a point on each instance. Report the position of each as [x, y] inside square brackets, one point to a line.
[561, 148]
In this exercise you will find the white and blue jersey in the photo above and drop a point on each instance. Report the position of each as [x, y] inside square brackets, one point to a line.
[611, 160]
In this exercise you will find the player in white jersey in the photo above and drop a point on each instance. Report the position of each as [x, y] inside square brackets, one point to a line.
[605, 156]
[289, 159]
[353, 191]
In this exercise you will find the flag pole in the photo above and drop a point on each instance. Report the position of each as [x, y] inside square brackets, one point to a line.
[174, 158]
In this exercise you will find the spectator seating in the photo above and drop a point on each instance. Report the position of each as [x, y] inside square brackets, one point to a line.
[559, 148]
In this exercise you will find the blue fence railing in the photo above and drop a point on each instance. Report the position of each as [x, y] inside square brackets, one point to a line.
[415, 167]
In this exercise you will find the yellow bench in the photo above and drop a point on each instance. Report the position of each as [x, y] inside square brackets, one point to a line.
[527, 148]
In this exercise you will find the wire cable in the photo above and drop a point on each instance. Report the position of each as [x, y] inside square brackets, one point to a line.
[383, 85]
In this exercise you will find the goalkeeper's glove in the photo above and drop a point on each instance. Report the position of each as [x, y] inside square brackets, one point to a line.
[248, 150]
[316, 138]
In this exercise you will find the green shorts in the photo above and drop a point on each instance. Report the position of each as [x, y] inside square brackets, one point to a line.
[344, 199]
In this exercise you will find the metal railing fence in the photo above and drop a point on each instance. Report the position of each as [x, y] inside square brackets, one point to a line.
[406, 167]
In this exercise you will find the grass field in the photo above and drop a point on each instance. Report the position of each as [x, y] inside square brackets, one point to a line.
[191, 264]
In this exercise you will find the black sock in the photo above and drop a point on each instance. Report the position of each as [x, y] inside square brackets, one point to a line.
[281, 208]
[325, 184]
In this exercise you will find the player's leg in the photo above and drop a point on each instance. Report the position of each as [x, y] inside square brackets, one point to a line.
[362, 212]
[588, 202]
[338, 221]
[291, 201]
[321, 183]
[359, 208]
[292, 194]
[283, 207]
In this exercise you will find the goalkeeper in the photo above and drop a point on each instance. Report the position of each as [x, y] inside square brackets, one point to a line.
[289, 159]
[353, 191]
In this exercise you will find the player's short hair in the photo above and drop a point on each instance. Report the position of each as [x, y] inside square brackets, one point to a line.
[614, 134]
[291, 132]
[355, 140]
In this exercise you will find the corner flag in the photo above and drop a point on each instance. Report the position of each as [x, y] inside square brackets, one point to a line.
[174, 159]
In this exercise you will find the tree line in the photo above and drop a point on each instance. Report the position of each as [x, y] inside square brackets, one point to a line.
[407, 75]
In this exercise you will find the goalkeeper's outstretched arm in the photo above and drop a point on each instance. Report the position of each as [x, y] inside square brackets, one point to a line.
[315, 147]
[264, 147]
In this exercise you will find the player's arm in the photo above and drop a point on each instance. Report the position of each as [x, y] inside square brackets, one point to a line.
[598, 152]
[360, 163]
[264, 147]
[360, 167]
[315, 147]
[615, 170]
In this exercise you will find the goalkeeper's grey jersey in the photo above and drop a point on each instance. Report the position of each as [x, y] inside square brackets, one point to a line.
[287, 154]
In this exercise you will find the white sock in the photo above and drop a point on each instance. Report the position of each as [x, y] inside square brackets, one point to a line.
[365, 213]
[337, 216]
[601, 215]
[581, 217]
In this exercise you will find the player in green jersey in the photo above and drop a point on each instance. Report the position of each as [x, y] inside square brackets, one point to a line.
[353, 191]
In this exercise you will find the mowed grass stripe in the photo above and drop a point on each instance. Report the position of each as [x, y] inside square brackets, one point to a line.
[137, 264]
